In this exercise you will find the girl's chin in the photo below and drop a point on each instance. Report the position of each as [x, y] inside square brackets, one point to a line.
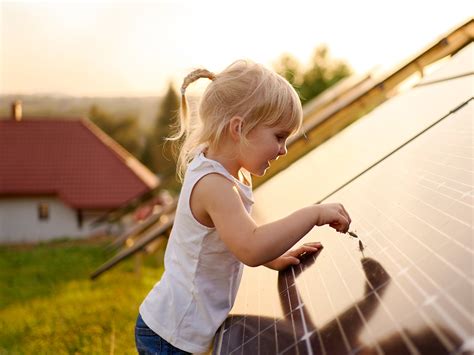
[261, 171]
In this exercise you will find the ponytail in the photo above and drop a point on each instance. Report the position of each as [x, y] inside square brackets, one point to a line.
[184, 125]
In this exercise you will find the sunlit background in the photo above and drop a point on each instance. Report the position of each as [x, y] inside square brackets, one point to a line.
[109, 48]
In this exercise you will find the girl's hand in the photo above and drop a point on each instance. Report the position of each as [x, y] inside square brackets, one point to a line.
[335, 215]
[292, 257]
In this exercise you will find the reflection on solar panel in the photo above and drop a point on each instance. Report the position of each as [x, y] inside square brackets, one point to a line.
[409, 291]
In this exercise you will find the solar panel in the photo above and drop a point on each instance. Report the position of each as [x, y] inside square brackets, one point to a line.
[367, 140]
[411, 288]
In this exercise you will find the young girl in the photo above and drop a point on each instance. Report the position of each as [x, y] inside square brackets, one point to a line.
[245, 116]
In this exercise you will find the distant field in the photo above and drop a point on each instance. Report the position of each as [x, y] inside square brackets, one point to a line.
[48, 305]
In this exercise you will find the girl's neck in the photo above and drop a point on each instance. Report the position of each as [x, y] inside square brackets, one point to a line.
[227, 158]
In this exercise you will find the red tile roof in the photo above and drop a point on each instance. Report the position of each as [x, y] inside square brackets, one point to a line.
[73, 159]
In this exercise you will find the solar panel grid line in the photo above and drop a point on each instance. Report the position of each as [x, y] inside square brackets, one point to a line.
[469, 194]
[293, 306]
[301, 306]
[442, 144]
[465, 312]
[245, 317]
[465, 177]
[438, 230]
[439, 211]
[445, 165]
[234, 322]
[456, 326]
[448, 344]
[426, 246]
[447, 178]
[259, 302]
[445, 341]
[452, 251]
[241, 346]
[395, 322]
[343, 335]
[448, 196]
[281, 329]
[462, 316]
[354, 300]
[442, 118]
[273, 327]
[276, 335]
[218, 340]
[364, 320]
[451, 239]
[266, 349]
[457, 156]
[275, 308]
[252, 337]
[405, 255]
[323, 349]
[458, 132]
[445, 186]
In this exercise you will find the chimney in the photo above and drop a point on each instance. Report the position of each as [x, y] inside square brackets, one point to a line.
[16, 110]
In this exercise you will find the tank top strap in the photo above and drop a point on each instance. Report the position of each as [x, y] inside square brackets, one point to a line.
[201, 166]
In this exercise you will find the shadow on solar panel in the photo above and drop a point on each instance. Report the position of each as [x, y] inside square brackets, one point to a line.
[296, 333]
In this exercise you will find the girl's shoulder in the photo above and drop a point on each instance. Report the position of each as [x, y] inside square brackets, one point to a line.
[210, 177]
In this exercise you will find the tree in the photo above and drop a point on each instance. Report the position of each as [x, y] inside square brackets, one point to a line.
[322, 73]
[288, 67]
[157, 154]
[124, 130]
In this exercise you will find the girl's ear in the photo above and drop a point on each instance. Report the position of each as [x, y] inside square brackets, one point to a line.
[235, 128]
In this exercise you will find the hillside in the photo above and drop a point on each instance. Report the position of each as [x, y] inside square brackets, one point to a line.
[62, 106]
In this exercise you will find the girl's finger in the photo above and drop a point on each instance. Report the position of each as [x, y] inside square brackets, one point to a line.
[305, 250]
[347, 215]
[295, 252]
[295, 261]
[314, 244]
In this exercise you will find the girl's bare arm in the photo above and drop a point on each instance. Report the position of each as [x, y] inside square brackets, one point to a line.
[256, 245]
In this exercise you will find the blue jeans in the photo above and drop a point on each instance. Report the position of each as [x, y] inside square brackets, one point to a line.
[148, 342]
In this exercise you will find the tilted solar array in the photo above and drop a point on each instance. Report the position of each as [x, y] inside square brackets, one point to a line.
[409, 287]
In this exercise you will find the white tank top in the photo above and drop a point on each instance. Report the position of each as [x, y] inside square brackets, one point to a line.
[201, 278]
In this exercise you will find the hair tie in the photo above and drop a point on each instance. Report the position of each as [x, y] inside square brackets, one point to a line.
[193, 76]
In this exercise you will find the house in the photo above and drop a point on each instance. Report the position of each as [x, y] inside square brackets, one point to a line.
[57, 176]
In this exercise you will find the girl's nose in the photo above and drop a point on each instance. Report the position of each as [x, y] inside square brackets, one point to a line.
[283, 150]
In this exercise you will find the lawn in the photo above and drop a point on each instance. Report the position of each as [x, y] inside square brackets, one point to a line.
[48, 304]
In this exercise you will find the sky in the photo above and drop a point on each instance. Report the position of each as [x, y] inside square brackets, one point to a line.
[125, 48]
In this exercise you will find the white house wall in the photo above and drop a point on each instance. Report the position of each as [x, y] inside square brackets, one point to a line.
[19, 221]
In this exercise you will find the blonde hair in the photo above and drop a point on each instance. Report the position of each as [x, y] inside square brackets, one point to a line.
[245, 89]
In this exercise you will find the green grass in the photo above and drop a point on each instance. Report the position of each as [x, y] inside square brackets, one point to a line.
[49, 305]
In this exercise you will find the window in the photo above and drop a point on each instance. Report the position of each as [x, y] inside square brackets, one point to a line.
[80, 218]
[43, 211]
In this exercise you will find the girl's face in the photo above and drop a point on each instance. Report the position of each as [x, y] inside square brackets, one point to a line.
[265, 144]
